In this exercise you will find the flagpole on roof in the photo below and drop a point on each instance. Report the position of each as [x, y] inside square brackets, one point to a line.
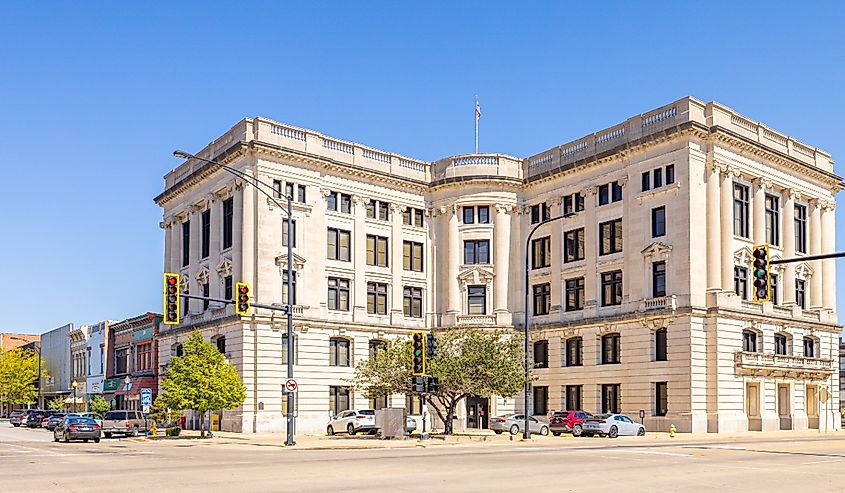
[477, 117]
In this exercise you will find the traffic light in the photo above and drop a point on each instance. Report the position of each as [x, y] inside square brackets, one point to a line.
[418, 339]
[418, 384]
[761, 273]
[433, 385]
[242, 302]
[430, 346]
[171, 298]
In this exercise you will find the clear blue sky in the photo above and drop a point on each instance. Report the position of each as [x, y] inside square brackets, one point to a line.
[95, 96]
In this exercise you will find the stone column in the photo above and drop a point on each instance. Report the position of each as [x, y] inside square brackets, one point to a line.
[788, 279]
[396, 259]
[726, 215]
[501, 251]
[455, 250]
[591, 238]
[244, 247]
[215, 245]
[758, 207]
[359, 258]
[714, 232]
[430, 257]
[828, 245]
[816, 284]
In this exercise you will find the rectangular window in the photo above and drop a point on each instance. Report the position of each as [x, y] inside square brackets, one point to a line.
[331, 201]
[412, 302]
[477, 300]
[801, 229]
[541, 252]
[345, 203]
[186, 243]
[574, 349]
[541, 401]
[102, 360]
[740, 210]
[336, 200]
[412, 217]
[646, 181]
[338, 244]
[412, 256]
[573, 245]
[773, 289]
[300, 193]
[285, 232]
[377, 298]
[379, 402]
[121, 361]
[413, 405]
[277, 189]
[772, 220]
[144, 357]
[228, 217]
[610, 349]
[289, 191]
[477, 252]
[376, 347]
[740, 282]
[617, 192]
[542, 298]
[573, 397]
[670, 174]
[658, 178]
[610, 398]
[610, 237]
[377, 209]
[660, 345]
[338, 294]
[338, 352]
[568, 206]
[611, 288]
[536, 213]
[469, 215]
[809, 347]
[658, 279]
[541, 354]
[377, 250]
[383, 211]
[780, 344]
[221, 344]
[575, 294]
[661, 398]
[338, 399]
[205, 294]
[483, 214]
[749, 341]
[285, 287]
[205, 233]
[579, 202]
[801, 293]
[604, 194]
[658, 222]
[227, 288]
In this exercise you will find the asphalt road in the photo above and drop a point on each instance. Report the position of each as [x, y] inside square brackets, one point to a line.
[31, 462]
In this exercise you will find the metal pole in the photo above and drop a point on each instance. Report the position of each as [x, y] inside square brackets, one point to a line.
[422, 410]
[807, 258]
[290, 423]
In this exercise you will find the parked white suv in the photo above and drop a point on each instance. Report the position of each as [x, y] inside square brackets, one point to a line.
[352, 421]
[126, 423]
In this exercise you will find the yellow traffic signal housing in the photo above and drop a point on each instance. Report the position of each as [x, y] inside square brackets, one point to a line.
[172, 298]
[242, 305]
[418, 357]
[760, 274]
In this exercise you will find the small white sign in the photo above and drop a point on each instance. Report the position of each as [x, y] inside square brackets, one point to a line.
[291, 385]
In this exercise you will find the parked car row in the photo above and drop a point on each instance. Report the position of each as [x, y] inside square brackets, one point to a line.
[361, 421]
[579, 423]
[84, 425]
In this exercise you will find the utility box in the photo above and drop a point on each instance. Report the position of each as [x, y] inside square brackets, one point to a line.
[391, 422]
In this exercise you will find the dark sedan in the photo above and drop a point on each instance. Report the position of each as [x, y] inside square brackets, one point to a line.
[77, 428]
[53, 420]
[35, 418]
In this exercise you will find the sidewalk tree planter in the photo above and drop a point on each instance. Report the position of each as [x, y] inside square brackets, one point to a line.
[469, 362]
[201, 380]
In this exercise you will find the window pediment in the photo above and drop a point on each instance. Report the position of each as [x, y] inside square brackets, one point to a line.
[298, 262]
[202, 275]
[743, 257]
[803, 271]
[475, 274]
[657, 251]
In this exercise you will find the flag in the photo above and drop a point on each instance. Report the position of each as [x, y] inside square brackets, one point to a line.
[477, 109]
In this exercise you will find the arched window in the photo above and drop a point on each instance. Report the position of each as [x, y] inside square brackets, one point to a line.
[749, 341]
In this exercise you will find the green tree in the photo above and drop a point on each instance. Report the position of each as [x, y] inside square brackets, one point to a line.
[99, 405]
[201, 380]
[56, 404]
[469, 362]
[18, 376]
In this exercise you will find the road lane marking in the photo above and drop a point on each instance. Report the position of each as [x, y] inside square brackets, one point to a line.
[655, 452]
[823, 461]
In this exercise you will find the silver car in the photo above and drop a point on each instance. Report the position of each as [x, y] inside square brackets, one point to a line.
[513, 424]
[352, 422]
[612, 425]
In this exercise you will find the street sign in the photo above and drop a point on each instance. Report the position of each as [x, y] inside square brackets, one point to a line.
[291, 385]
[146, 397]
[145, 409]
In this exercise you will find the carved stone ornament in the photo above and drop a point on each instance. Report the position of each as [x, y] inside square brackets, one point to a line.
[591, 190]
[184, 282]
[803, 271]
[743, 256]
[298, 263]
[475, 274]
[607, 329]
[504, 208]
[224, 267]
[657, 251]
[398, 208]
[569, 332]
[202, 276]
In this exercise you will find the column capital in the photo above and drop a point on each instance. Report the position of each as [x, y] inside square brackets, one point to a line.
[763, 183]
[591, 190]
[621, 181]
[505, 208]
[791, 193]
[398, 207]
[325, 192]
[827, 205]
[359, 199]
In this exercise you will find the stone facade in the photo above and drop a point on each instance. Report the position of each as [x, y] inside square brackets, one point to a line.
[78, 399]
[648, 252]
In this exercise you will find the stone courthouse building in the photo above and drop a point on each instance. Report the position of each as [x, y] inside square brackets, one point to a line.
[640, 296]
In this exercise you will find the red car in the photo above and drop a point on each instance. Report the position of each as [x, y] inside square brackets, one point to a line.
[568, 422]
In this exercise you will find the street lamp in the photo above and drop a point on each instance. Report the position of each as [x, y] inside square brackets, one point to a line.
[289, 308]
[526, 434]
[75, 384]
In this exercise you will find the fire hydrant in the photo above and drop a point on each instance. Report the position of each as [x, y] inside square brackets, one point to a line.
[153, 430]
[672, 431]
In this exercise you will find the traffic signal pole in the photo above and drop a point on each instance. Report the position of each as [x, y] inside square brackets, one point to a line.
[807, 258]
